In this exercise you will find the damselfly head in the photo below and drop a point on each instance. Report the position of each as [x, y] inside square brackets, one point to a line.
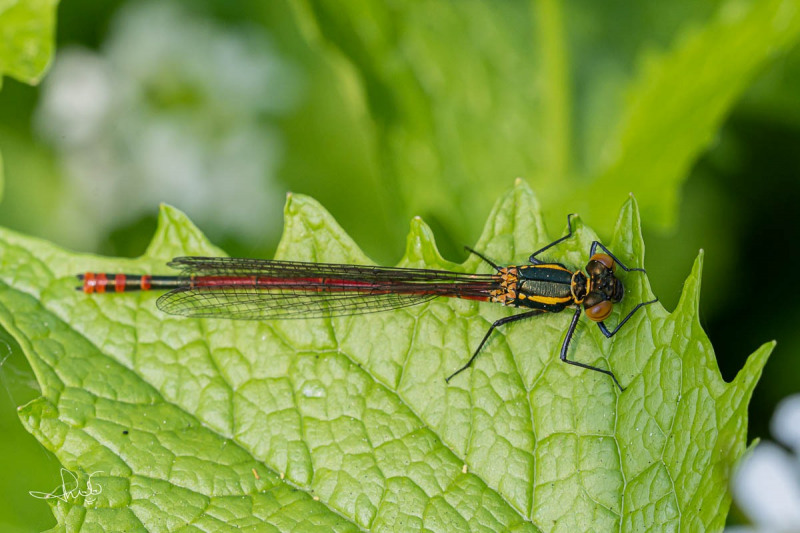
[609, 287]
[600, 264]
[618, 291]
[597, 306]
[603, 281]
[606, 291]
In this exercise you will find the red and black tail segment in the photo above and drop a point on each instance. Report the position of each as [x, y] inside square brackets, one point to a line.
[101, 282]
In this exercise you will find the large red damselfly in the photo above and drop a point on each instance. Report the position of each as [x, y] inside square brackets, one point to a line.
[258, 289]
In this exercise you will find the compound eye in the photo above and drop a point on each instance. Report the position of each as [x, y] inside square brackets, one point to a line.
[599, 312]
[605, 260]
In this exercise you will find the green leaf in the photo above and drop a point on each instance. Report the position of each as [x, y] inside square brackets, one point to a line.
[26, 42]
[668, 122]
[588, 100]
[26, 38]
[347, 424]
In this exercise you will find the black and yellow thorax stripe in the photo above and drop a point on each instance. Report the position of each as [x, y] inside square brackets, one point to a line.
[548, 286]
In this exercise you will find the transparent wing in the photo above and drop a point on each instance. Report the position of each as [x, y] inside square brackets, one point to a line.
[226, 287]
[252, 303]
[234, 266]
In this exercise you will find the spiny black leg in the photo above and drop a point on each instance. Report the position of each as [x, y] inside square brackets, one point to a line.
[608, 334]
[595, 244]
[535, 261]
[565, 347]
[496, 324]
[494, 265]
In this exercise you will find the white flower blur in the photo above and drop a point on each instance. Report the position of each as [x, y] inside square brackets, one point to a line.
[175, 108]
[766, 486]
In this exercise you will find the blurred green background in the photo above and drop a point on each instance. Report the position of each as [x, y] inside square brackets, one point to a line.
[386, 110]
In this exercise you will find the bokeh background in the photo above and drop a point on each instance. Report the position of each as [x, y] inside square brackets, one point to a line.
[387, 110]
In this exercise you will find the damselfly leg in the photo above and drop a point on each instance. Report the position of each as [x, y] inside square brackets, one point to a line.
[495, 324]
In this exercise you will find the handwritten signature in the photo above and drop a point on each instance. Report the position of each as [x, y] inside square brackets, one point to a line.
[70, 489]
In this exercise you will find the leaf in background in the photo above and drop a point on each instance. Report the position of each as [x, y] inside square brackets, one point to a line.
[348, 423]
[588, 100]
[678, 101]
[26, 45]
[26, 41]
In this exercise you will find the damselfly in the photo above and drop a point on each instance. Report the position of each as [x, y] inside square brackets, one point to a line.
[257, 289]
